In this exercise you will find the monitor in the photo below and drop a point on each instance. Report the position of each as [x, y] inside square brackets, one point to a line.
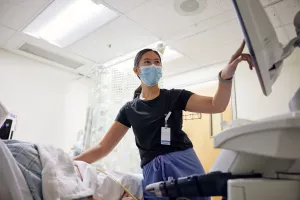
[261, 39]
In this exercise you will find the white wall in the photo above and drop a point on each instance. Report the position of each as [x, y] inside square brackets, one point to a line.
[251, 103]
[76, 103]
[50, 103]
[193, 77]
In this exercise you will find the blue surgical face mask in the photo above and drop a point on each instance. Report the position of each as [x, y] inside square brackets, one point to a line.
[150, 75]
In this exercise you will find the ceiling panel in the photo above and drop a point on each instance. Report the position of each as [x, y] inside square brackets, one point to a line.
[17, 14]
[212, 46]
[123, 35]
[124, 6]
[217, 20]
[226, 4]
[273, 16]
[283, 13]
[202, 26]
[160, 17]
[282, 35]
[287, 10]
[286, 33]
[5, 34]
[290, 30]
[267, 2]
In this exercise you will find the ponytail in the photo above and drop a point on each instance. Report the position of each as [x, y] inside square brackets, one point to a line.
[137, 92]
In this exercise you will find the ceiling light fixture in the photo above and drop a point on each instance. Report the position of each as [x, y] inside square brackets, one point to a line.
[64, 22]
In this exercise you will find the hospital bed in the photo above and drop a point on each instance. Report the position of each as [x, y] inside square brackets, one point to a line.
[269, 171]
[259, 160]
[28, 172]
[24, 176]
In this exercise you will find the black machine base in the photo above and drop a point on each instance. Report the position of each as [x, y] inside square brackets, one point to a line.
[212, 184]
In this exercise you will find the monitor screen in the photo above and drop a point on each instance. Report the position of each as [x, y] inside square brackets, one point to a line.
[261, 39]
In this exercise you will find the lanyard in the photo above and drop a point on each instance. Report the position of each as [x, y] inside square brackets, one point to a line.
[166, 119]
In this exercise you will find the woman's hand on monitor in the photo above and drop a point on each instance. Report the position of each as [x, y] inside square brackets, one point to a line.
[237, 58]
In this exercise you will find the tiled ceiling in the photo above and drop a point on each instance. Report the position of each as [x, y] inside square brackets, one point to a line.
[203, 39]
[213, 45]
[16, 14]
[161, 19]
[117, 38]
[5, 34]
[124, 6]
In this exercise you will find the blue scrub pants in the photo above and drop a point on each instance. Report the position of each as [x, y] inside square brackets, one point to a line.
[177, 164]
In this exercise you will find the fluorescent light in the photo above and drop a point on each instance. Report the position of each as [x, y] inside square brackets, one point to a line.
[169, 55]
[66, 21]
[120, 59]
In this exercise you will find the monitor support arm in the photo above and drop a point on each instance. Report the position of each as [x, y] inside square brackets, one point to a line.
[294, 103]
[289, 48]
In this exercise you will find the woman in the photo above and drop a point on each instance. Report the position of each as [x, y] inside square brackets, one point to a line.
[156, 118]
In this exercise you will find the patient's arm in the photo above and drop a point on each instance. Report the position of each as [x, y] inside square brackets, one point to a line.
[108, 143]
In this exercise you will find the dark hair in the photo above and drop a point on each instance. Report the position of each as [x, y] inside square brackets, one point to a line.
[137, 60]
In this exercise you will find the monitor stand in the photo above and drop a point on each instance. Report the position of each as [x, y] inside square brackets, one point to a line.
[289, 48]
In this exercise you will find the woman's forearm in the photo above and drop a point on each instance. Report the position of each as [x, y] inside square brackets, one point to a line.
[92, 155]
[222, 97]
[108, 143]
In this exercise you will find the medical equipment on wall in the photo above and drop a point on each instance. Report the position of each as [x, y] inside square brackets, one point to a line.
[9, 126]
[191, 116]
[260, 160]
[8, 123]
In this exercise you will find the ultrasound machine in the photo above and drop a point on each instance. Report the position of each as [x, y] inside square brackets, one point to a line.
[259, 160]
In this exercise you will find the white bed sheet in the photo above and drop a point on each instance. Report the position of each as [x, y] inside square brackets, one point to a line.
[59, 178]
[105, 187]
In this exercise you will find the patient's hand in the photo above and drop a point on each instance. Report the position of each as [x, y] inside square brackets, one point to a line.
[126, 196]
[91, 198]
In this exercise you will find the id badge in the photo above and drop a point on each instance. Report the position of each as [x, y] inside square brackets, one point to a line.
[165, 136]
